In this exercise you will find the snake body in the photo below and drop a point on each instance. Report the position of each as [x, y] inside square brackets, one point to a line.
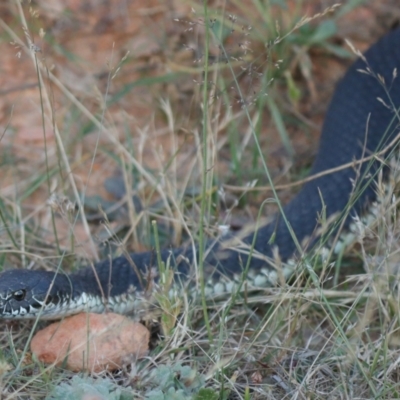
[361, 120]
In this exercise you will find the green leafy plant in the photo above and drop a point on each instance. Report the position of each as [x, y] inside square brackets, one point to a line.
[78, 388]
[178, 383]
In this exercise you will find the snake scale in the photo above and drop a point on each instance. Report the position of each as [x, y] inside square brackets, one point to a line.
[361, 120]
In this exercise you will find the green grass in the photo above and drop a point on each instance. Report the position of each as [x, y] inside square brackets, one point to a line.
[328, 334]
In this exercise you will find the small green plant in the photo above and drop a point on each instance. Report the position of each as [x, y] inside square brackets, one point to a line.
[79, 388]
[178, 383]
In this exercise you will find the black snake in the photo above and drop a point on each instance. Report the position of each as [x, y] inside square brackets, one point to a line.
[362, 119]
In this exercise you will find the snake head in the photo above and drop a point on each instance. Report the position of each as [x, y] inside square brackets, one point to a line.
[29, 294]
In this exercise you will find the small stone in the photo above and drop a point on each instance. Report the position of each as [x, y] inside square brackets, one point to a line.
[91, 342]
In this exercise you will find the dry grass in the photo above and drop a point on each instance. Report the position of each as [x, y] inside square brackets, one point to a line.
[176, 135]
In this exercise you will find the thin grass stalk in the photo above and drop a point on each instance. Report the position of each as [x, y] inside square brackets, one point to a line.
[204, 172]
[53, 222]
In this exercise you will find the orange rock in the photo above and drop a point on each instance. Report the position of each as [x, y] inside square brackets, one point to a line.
[91, 342]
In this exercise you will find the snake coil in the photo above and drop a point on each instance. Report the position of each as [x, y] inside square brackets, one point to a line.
[361, 120]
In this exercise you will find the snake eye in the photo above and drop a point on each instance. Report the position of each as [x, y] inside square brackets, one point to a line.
[19, 295]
